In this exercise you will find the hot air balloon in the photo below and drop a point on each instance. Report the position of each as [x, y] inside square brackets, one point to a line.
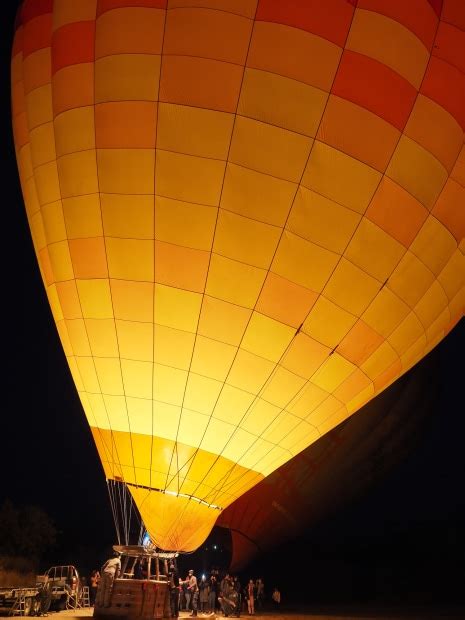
[248, 217]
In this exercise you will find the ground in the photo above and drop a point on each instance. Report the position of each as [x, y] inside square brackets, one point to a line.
[320, 614]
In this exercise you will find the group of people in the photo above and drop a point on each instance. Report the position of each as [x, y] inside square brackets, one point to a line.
[216, 594]
[205, 595]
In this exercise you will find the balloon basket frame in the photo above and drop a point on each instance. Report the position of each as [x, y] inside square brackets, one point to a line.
[143, 599]
[139, 599]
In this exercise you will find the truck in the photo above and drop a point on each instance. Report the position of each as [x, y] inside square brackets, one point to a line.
[57, 589]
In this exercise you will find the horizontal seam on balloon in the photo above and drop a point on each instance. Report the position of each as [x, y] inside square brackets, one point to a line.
[174, 8]
[391, 18]
[250, 19]
[246, 217]
[435, 278]
[264, 358]
[451, 24]
[247, 167]
[298, 185]
[447, 61]
[151, 322]
[156, 362]
[356, 8]
[285, 129]
[212, 412]
[186, 409]
[146, 468]
[182, 105]
[158, 55]
[153, 361]
[186, 496]
[217, 253]
[224, 208]
[129, 53]
[245, 67]
[109, 277]
[283, 410]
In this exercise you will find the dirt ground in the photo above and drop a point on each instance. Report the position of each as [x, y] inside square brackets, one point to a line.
[372, 614]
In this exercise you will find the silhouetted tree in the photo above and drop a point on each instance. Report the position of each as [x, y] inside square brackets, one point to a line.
[25, 531]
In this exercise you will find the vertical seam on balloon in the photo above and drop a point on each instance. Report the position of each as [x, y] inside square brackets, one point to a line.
[175, 445]
[165, 11]
[106, 260]
[200, 311]
[174, 450]
[196, 450]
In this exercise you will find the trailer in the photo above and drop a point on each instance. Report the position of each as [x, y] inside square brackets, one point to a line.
[21, 601]
[57, 589]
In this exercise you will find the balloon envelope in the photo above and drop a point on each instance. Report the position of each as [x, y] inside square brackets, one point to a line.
[335, 471]
[248, 218]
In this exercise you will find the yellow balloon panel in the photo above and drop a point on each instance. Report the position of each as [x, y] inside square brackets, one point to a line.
[249, 221]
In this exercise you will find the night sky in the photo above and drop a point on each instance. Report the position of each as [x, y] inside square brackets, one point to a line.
[48, 457]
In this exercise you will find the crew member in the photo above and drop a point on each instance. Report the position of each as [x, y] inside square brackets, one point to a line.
[110, 571]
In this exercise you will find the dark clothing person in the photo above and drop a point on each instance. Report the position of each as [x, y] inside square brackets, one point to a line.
[212, 595]
[259, 593]
[230, 603]
[174, 591]
[94, 581]
[204, 591]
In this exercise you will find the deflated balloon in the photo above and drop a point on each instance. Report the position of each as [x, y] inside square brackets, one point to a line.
[249, 220]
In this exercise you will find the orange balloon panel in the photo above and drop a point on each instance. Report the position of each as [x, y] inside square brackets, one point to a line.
[249, 221]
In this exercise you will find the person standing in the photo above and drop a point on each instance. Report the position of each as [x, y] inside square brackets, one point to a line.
[238, 588]
[276, 596]
[224, 585]
[187, 592]
[174, 591]
[193, 589]
[251, 597]
[204, 591]
[183, 595]
[213, 593]
[260, 593]
[94, 581]
[110, 571]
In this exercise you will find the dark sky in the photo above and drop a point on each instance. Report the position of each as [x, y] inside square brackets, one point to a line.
[48, 457]
[47, 452]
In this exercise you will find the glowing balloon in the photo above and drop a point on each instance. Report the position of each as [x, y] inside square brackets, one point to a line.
[249, 220]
